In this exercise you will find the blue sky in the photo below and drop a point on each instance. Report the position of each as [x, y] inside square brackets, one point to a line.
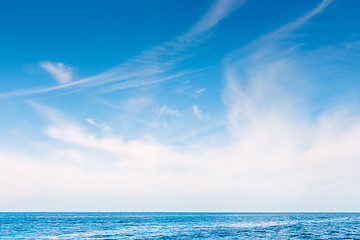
[136, 105]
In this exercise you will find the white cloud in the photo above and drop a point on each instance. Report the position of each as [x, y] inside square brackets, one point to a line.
[92, 122]
[198, 92]
[282, 31]
[261, 84]
[106, 128]
[277, 160]
[173, 112]
[218, 11]
[153, 66]
[197, 111]
[68, 155]
[102, 126]
[62, 73]
[136, 104]
[277, 164]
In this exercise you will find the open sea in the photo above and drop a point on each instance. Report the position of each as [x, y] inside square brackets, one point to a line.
[179, 225]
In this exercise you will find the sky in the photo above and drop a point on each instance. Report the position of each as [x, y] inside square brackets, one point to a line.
[207, 105]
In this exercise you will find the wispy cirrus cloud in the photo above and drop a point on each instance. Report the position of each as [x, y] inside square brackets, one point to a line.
[169, 111]
[262, 78]
[92, 122]
[282, 31]
[198, 92]
[152, 66]
[196, 111]
[218, 11]
[102, 126]
[62, 73]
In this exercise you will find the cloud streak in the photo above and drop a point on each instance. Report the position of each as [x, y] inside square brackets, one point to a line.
[197, 111]
[284, 30]
[261, 77]
[61, 72]
[169, 111]
[155, 65]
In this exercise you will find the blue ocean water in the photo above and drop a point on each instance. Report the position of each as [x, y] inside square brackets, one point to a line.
[179, 226]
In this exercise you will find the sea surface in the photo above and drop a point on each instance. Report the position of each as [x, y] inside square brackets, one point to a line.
[179, 225]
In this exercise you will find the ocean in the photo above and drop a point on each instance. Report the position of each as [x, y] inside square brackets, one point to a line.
[179, 225]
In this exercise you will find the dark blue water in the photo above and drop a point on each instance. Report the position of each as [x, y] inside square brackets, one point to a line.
[179, 226]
